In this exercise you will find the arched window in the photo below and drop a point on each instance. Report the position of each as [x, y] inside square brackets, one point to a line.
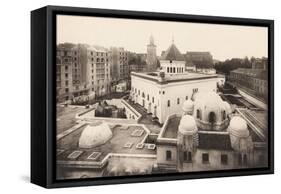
[168, 155]
[167, 69]
[198, 114]
[178, 101]
[174, 70]
[212, 117]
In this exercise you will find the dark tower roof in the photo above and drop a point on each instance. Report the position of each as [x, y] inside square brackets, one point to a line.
[173, 53]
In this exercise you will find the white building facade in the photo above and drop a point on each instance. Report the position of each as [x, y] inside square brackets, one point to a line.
[163, 97]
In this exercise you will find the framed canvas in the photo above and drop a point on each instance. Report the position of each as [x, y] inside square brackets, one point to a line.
[126, 96]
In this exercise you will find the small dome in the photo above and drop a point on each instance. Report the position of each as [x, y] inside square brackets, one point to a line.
[93, 136]
[187, 124]
[188, 106]
[238, 127]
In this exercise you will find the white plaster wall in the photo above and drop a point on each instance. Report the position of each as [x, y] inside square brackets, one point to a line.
[161, 154]
[172, 91]
[181, 90]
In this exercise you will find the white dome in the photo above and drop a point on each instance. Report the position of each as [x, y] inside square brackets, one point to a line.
[187, 125]
[188, 106]
[238, 127]
[93, 136]
[210, 111]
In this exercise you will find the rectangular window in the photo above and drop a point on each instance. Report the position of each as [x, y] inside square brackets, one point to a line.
[205, 158]
[168, 155]
[168, 103]
[224, 159]
[178, 101]
[240, 159]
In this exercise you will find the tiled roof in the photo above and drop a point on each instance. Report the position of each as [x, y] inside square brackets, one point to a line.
[173, 53]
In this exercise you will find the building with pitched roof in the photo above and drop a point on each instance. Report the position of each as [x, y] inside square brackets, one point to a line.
[172, 62]
[163, 93]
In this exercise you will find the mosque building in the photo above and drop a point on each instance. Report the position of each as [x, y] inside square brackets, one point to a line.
[208, 136]
[163, 93]
[198, 130]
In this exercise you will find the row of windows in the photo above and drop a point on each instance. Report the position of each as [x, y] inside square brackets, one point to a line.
[175, 70]
[178, 101]
[99, 54]
[100, 60]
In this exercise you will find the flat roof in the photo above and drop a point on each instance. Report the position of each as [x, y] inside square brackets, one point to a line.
[171, 130]
[154, 76]
[122, 135]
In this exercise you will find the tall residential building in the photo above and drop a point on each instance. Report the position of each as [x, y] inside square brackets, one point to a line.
[98, 70]
[79, 70]
[120, 65]
[151, 59]
[64, 72]
[82, 70]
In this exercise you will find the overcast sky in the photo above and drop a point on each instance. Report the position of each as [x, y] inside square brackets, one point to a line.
[223, 41]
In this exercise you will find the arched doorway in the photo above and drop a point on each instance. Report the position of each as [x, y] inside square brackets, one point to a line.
[212, 118]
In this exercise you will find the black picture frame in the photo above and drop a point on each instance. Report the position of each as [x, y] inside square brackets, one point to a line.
[43, 95]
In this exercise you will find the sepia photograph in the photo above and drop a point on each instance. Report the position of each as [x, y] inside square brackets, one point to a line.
[145, 97]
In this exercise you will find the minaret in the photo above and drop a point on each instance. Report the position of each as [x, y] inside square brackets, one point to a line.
[151, 59]
[241, 141]
[187, 137]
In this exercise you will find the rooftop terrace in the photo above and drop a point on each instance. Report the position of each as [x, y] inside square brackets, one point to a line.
[127, 139]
